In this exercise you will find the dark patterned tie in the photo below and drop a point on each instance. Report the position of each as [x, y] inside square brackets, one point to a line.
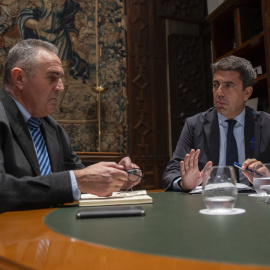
[41, 150]
[231, 151]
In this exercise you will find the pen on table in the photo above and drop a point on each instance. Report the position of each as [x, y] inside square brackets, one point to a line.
[239, 166]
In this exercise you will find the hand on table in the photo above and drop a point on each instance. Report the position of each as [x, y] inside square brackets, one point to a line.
[254, 165]
[126, 162]
[104, 178]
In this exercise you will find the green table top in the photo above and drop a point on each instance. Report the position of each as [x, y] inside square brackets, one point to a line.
[174, 227]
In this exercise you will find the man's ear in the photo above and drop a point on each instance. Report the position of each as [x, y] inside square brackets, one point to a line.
[17, 76]
[248, 92]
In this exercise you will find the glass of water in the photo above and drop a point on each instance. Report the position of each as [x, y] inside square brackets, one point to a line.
[219, 190]
[261, 179]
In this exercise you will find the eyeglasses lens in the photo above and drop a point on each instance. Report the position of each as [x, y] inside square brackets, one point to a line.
[135, 175]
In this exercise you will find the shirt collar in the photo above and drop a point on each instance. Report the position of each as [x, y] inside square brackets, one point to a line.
[240, 118]
[26, 115]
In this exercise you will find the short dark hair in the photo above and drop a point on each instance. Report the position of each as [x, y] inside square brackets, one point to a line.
[24, 56]
[242, 65]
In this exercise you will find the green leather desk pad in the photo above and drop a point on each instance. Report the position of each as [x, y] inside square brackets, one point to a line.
[174, 227]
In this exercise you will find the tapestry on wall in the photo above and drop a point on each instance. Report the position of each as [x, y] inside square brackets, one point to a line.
[90, 36]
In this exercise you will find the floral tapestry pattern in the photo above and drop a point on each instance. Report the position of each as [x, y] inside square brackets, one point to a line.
[90, 36]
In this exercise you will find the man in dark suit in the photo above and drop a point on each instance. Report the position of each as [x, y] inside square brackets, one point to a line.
[233, 79]
[32, 83]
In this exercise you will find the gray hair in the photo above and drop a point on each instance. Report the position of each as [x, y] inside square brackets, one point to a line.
[24, 55]
[234, 63]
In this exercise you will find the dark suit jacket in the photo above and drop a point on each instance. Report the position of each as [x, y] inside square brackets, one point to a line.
[21, 186]
[202, 132]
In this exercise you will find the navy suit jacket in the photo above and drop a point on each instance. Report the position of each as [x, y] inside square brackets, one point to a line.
[202, 132]
[21, 185]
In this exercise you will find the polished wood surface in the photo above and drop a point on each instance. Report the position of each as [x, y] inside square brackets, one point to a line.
[26, 243]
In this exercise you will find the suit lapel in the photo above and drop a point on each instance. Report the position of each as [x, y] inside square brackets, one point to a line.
[27, 145]
[252, 135]
[20, 130]
[211, 130]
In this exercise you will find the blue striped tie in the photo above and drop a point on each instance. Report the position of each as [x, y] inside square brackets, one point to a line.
[41, 150]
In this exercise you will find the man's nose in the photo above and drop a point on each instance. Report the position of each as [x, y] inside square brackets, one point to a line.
[220, 91]
[60, 86]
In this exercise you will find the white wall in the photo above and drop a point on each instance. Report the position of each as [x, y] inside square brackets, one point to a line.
[213, 4]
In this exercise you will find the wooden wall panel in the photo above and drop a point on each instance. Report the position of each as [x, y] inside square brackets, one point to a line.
[147, 90]
[184, 10]
[188, 85]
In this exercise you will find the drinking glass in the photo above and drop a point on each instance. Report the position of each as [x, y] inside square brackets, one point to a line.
[219, 190]
[261, 179]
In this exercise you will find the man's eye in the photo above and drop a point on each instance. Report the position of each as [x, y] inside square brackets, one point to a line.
[52, 78]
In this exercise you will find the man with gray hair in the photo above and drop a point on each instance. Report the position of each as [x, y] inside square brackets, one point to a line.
[230, 131]
[38, 167]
